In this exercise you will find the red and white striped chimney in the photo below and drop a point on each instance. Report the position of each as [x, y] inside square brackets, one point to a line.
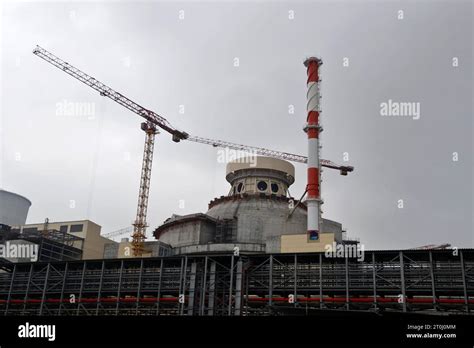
[313, 129]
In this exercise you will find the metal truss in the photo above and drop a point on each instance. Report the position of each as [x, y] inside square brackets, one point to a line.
[246, 285]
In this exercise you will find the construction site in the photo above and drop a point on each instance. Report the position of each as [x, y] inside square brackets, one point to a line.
[256, 250]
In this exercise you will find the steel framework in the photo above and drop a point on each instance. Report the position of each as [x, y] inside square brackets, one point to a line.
[412, 280]
[53, 245]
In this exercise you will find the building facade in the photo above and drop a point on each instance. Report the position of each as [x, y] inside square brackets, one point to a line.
[91, 242]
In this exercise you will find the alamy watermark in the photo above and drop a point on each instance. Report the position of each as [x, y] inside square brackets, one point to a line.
[20, 251]
[345, 250]
[28, 330]
[227, 155]
[77, 109]
[403, 109]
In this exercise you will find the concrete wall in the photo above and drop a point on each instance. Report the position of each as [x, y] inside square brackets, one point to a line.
[158, 249]
[111, 250]
[334, 227]
[260, 221]
[263, 221]
[298, 243]
[260, 218]
[250, 178]
[124, 250]
[182, 234]
[208, 232]
[93, 243]
[220, 248]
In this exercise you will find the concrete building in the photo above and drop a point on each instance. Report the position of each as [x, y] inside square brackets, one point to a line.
[33, 245]
[256, 216]
[92, 243]
[13, 208]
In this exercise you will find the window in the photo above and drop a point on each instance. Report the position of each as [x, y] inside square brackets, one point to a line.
[76, 228]
[240, 186]
[262, 186]
[63, 228]
[274, 187]
[30, 230]
[313, 235]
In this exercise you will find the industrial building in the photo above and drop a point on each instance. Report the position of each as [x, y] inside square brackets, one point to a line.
[92, 244]
[67, 240]
[48, 245]
[25, 243]
[257, 216]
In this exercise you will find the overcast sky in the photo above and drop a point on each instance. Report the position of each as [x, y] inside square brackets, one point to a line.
[150, 53]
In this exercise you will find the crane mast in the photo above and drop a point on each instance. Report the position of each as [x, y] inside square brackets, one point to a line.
[153, 120]
[140, 225]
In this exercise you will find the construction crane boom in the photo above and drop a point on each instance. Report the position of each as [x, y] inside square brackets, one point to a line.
[269, 153]
[153, 120]
[108, 92]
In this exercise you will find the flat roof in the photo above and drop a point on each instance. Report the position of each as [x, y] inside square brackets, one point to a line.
[63, 222]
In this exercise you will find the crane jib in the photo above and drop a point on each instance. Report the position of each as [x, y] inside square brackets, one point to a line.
[161, 122]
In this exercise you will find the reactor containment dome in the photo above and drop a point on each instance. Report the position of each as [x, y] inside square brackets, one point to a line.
[257, 215]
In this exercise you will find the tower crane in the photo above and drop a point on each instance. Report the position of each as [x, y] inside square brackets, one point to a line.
[153, 121]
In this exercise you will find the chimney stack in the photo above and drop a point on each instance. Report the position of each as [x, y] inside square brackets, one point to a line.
[313, 129]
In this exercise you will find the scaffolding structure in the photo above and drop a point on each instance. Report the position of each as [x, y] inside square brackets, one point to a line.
[262, 284]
